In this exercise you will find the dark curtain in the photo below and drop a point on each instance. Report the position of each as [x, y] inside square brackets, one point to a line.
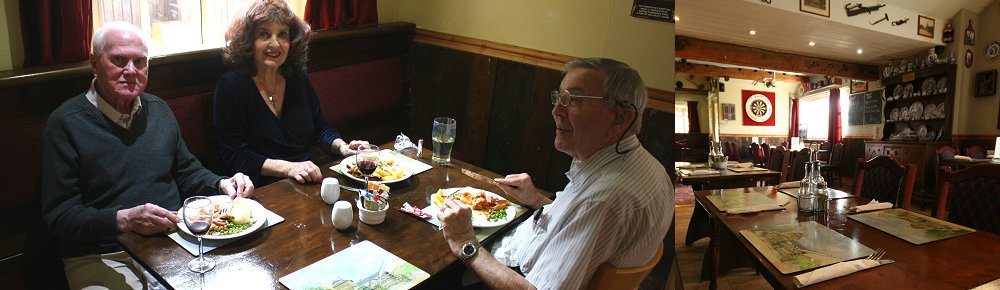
[693, 126]
[793, 120]
[56, 31]
[833, 134]
[333, 14]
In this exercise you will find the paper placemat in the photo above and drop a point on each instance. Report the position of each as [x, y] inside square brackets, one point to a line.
[190, 243]
[726, 199]
[361, 266]
[831, 193]
[912, 227]
[803, 246]
[746, 169]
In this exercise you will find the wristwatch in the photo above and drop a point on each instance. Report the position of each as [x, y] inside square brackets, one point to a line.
[469, 250]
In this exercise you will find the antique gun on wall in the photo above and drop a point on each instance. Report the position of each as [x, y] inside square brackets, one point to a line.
[854, 9]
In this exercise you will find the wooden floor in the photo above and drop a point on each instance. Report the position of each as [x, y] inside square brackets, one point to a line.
[690, 257]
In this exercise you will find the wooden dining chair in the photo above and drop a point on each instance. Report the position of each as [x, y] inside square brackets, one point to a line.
[976, 152]
[824, 153]
[608, 276]
[884, 179]
[757, 158]
[778, 161]
[833, 164]
[766, 150]
[970, 197]
[797, 165]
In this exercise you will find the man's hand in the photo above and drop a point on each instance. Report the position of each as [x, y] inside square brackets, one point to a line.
[303, 172]
[347, 149]
[521, 188]
[456, 221]
[146, 219]
[238, 185]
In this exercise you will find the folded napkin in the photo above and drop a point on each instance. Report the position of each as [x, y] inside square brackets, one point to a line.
[790, 184]
[741, 165]
[703, 172]
[833, 271]
[754, 208]
[873, 205]
[692, 166]
[963, 158]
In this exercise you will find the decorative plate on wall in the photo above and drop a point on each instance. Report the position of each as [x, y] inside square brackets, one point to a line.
[993, 49]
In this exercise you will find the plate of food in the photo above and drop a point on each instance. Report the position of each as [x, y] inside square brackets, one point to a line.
[388, 171]
[231, 218]
[488, 209]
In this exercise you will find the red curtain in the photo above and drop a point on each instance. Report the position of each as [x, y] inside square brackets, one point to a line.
[333, 14]
[793, 120]
[694, 126]
[833, 134]
[56, 31]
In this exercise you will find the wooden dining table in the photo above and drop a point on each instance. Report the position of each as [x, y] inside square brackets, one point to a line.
[307, 235]
[698, 227]
[961, 262]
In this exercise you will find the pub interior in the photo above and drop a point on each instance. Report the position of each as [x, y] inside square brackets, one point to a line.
[385, 67]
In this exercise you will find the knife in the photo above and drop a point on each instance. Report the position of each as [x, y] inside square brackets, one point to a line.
[348, 188]
[483, 178]
[885, 261]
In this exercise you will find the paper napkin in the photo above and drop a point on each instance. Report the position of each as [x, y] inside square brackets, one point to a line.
[790, 184]
[873, 205]
[703, 172]
[833, 271]
[741, 165]
[754, 208]
[963, 158]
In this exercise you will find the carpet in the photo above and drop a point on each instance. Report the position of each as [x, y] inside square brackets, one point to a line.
[683, 194]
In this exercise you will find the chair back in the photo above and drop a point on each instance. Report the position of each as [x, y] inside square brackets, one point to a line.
[946, 153]
[976, 152]
[609, 277]
[970, 197]
[766, 149]
[778, 161]
[797, 166]
[837, 153]
[756, 156]
[824, 152]
[884, 179]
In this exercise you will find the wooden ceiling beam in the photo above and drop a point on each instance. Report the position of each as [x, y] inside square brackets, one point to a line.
[718, 52]
[707, 70]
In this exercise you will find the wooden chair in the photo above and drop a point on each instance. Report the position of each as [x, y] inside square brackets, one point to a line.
[766, 149]
[825, 152]
[778, 161]
[797, 165]
[970, 197]
[609, 277]
[884, 179]
[757, 157]
[833, 164]
[976, 152]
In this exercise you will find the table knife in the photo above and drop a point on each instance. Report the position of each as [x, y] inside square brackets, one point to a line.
[482, 178]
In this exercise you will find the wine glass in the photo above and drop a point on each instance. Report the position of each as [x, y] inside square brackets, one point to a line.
[367, 159]
[197, 215]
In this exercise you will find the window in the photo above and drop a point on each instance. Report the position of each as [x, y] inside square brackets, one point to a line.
[681, 117]
[814, 112]
[175, 26]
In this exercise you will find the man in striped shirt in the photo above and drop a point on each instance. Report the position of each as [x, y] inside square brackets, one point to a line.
[617, 206]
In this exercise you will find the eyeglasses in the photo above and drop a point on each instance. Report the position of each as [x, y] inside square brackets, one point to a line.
[564, 97]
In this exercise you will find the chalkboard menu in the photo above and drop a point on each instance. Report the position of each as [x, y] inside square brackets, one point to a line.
[865, 108]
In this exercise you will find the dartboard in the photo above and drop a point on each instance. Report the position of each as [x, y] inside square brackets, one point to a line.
[759, 108]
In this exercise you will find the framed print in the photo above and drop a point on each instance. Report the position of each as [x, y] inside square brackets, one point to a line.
[729, 112]
[970, 34]
[986, 83]
[859, 86]
[925, 26]
[818, 7]
[968, 58]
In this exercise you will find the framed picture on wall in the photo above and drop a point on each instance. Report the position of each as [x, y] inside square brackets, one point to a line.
[925, 26]
[818, 7]
[986, 83]
[729, 112]
[859, 86]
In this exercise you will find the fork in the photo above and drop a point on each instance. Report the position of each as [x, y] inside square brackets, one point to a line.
[877, 255]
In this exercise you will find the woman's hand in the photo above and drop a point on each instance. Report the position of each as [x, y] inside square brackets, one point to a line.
[237, 186]
[303, 172]
[347, 149]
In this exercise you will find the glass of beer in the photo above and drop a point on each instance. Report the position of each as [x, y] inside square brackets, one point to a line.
[443, 137]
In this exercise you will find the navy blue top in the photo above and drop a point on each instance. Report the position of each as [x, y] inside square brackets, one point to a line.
[249, 133]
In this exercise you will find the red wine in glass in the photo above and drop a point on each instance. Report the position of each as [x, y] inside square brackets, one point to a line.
[367, 167]
[199, 228]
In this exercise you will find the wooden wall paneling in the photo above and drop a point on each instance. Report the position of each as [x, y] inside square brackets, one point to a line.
[540, 132]
[511, 106]
[440, 84]
[482, 81]
[657, 136]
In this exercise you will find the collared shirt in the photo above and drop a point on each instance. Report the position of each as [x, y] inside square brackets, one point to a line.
[123, 120]
[616, 209]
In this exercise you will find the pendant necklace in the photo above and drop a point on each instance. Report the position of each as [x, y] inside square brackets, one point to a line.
[270, 93]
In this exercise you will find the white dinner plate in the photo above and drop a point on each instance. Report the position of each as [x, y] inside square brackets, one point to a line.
[929, 86]
[894, 115]
[256, 212]
[480, 218]
[916, 110]
[351, 161]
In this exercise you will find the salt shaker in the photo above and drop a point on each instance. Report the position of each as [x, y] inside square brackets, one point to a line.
[330, 190]
[343, 215]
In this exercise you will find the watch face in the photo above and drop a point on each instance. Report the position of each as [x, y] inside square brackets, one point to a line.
[468, 249]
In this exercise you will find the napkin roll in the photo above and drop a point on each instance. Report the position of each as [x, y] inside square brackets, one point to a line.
[741, 165]
[754, 208]
[833, 271]
[963, 158]
[703, 172]
[873, 205]
[790, 184]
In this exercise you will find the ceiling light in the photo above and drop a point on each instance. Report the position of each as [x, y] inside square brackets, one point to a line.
[812, 43]
[859, 51]
[753, 32]
[677, 18]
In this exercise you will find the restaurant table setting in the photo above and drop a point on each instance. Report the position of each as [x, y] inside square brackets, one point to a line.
[300, 231]
[870, 206]
[263, 218]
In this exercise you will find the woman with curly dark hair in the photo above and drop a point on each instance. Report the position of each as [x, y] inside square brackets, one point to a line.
[267, 113]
